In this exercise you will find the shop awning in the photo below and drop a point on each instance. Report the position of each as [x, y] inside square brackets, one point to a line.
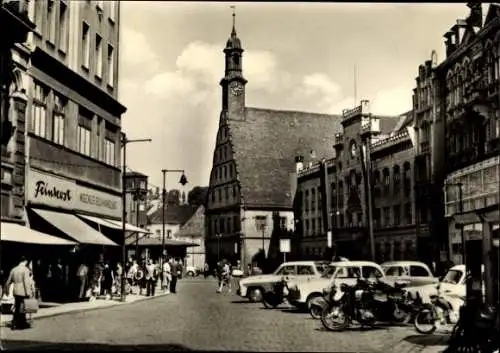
[128, 227]
[146, 241]
[101, 221]
[20, 234]
[75, 228]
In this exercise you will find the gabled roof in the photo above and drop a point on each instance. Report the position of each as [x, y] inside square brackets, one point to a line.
[493, 11]
[387, 123]
[173, 214]
[265, 144]
[195, 226]
[403, 121]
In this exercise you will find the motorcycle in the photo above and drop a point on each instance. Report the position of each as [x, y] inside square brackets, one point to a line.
[365, 303]
[475, 331]
[436, 313]
[274, 294]
[320, 303]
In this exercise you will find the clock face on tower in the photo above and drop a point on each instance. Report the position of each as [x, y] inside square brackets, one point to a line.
[236, 88]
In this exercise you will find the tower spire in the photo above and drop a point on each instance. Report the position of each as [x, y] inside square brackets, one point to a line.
[233, 32]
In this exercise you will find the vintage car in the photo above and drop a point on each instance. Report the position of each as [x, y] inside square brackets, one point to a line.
[301, 292]
[413, 273]
[453, 285]
[254, 286]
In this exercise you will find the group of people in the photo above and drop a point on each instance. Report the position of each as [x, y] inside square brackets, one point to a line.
[145, 276]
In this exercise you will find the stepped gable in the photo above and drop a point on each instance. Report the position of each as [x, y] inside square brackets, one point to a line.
[173, 214]
[265, 143]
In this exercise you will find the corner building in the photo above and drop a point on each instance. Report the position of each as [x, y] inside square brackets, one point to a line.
[469, 90]
[73, 137]
[332, 194]
[252, 172]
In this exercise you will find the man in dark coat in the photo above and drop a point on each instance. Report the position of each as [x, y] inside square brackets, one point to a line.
[175, 268]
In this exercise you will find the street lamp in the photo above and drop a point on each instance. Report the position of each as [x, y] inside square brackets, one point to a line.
[183, 181]
[124, 141]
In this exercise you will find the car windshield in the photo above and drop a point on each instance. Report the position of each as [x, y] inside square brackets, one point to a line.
[329, 272]
[452, 276]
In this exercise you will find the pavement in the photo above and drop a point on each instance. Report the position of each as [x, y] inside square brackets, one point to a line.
[55, 309]
[198, 319]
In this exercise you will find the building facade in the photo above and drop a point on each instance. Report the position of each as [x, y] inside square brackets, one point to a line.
[469, 85]
[333, 194]
[73, 126]
[252, 169]
[14, 58]
[193, 232]
[429, 159]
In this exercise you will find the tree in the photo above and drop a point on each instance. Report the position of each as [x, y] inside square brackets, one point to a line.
[198, 195]
[173, 197]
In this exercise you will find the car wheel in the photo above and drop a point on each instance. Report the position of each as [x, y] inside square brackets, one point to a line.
[190, 274]
[255, 295]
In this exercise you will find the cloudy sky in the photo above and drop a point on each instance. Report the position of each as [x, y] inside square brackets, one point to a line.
[297, 56]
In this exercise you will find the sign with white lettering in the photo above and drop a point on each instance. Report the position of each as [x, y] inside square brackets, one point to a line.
[56, 191]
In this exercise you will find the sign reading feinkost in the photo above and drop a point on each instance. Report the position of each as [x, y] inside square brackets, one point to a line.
[55, 191]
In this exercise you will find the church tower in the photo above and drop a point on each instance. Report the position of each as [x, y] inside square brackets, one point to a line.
[233, 83]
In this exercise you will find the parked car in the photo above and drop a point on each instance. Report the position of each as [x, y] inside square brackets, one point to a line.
[413, 273]
[192, 271]
[453, 285]
[253, 287]
[302, 292]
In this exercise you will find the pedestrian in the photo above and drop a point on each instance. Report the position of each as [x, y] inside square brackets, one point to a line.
[58, 281]
[206, 271]
[81, 275]
[140, 276]
[23, 289]
[150, 278]
[175, 269]
[166, 276]
[249, 270]
[131, 273]
[107, 281]
[225, 277]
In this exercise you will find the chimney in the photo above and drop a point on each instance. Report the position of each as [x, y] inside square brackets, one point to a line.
[475, 18]
[299, 163]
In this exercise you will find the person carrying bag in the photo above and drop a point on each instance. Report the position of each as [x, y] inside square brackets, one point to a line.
[24, 301]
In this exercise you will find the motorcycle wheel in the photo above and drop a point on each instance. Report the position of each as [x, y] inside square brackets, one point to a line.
[334, 318]
[315, 311]
[425, 315]
[400, 316]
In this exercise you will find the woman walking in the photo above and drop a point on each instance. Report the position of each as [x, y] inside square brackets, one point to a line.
[107, 281]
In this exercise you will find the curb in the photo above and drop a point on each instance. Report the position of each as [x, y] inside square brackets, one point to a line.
[75, 311]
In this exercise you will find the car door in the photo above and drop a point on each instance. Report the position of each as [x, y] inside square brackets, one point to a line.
[289, 271]
[305, 271]
[419, 276]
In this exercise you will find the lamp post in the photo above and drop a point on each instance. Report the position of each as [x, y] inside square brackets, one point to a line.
[124, 141]
[183, 181]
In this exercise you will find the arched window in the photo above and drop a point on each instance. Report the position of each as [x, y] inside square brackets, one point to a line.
[407, 178]
[306, 200]
[225, 171]
[387, 180]
[396, 175]
[313, 199]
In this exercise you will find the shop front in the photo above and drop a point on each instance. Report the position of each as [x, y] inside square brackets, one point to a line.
[61, 207]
